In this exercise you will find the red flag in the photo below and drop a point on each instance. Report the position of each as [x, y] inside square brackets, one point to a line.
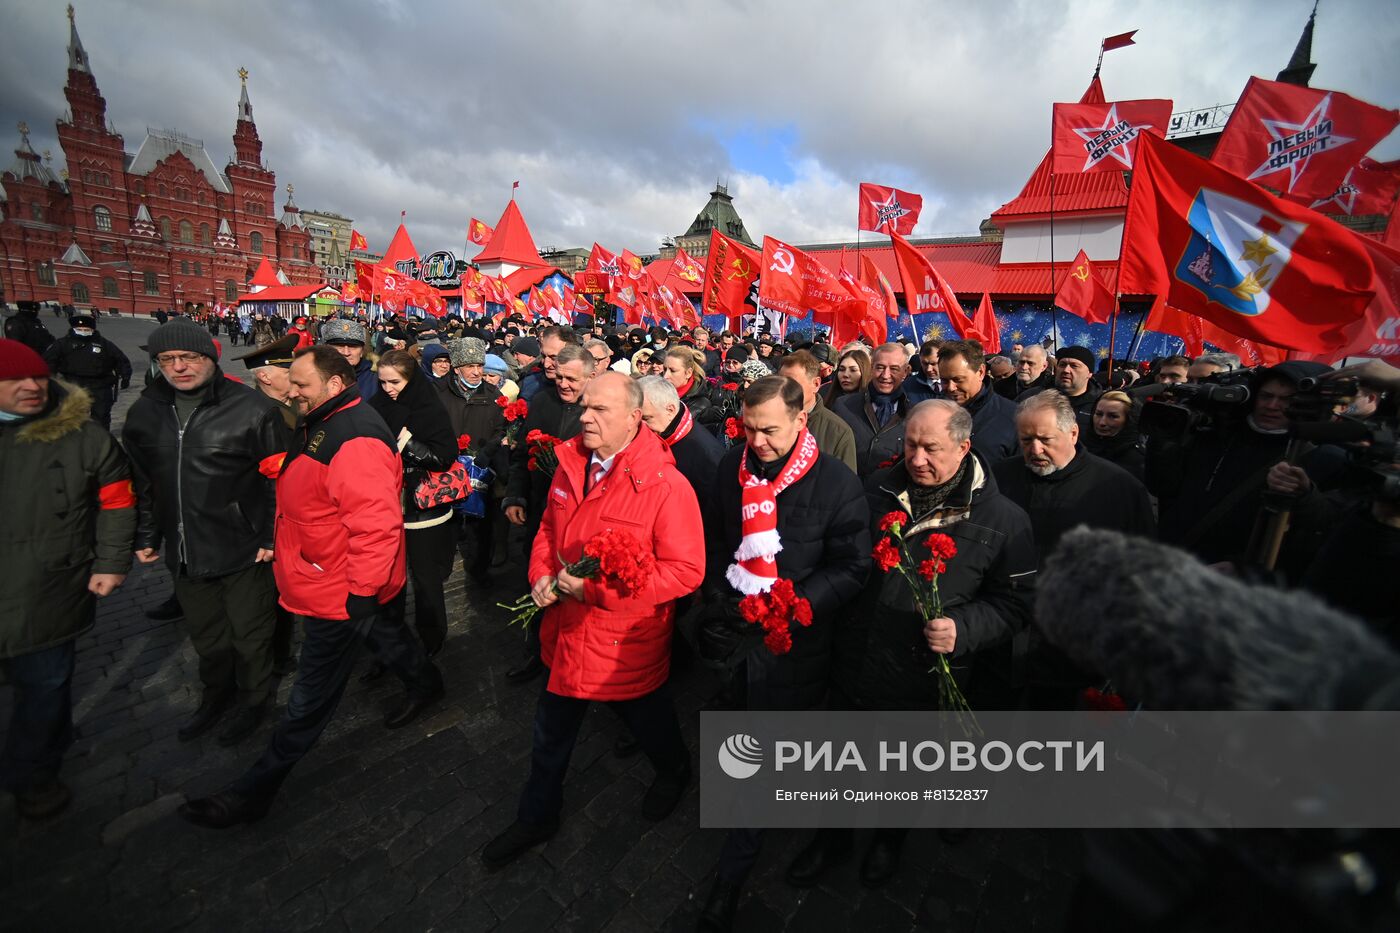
[479, 233]
[1217, 246]
[1120, 41]
[357, 241]
[731, 268]
[687, 268]
[1103, 137]
[794, 283]
[1377, 333]
[871, 275]
[866, 315]
[365, 277]
[1084, 293]
[1368, 187]
[1391, 237]
[1196, 332]
[591, 282]
[471, 300]
[924, 289]
[349, 291]
[984, 327]
[1300, 140]
[601, 260]
[537, 304]
[888, 209]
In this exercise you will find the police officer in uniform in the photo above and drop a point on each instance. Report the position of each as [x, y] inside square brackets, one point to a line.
[87, 359]
[28, 329]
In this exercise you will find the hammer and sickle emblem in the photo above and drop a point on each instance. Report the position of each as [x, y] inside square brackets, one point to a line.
[782, 261]
[741, 269]
[1081, 272]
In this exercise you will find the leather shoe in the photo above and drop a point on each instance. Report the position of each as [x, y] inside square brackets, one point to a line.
[43, 799]
[243, 724]
[373, 672]
[167, 611]
[626, 746]
[222, 810]
[527, 671]
[880, 864]
[665, 792]
[515, 841]
[415, 703]
[211, 709]
[813, 862]
[717, 916]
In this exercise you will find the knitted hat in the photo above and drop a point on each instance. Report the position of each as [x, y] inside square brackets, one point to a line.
[343, 332]
[181, 335]
[526, 345]
[469, 351]
[1082, 354]
[19, 361]
[755, 370]
[737, 352]
[494, 364]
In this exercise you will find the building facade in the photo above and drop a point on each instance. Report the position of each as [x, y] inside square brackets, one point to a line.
[330, 244]
[134, 233]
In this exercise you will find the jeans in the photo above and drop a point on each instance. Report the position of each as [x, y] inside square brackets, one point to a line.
[652, 719]
[328, 654]
[41, 725]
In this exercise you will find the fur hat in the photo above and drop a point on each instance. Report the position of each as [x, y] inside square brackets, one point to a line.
[341, 331]
[469, 351]
[755, 370]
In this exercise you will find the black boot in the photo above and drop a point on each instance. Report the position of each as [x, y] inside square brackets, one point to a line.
[414, 703]
[211, 710]
[720, 907]
[527, 671]
[243, 724]
[167, 611]
[514, 842]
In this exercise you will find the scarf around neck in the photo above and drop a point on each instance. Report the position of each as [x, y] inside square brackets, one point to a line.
[683, 423]
[755, 568]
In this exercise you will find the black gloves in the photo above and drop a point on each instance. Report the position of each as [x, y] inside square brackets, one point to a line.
[360, 607]
[722, 630]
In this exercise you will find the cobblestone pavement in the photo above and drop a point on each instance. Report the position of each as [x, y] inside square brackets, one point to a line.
[381, 830]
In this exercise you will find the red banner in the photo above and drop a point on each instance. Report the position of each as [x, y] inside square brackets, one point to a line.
[888, 210]
[1103, 137]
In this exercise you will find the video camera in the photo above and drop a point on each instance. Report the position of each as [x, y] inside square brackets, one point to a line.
[1175, 411]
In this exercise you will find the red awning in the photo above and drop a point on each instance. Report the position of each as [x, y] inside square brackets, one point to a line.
[282, 293]
[1086, 192]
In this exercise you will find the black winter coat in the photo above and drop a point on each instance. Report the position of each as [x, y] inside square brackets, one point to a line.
[697, 458]
[988, 591]
[432, 446]
[824, 525]
[697, 397]
[207, 492]
[993, 425]
[474, 412]
[1123, 449]
[88, 361]
[874, 444]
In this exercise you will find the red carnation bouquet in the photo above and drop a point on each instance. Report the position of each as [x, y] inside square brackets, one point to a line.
[892, 552]
[514, 413]
[540, 449]
[615, 558]
[774, 610]
[733, 431]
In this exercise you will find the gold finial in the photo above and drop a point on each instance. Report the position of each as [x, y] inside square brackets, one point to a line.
[243, 75]
[24, 130]
[70, 12]
[63, 174]
[290, 189]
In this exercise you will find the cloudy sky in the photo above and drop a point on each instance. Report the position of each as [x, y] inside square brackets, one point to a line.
[618, 117]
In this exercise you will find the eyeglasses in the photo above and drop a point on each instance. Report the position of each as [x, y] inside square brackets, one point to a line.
[170, 359]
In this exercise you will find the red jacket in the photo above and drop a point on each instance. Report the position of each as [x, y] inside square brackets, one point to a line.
[339, 522]
[610, 646]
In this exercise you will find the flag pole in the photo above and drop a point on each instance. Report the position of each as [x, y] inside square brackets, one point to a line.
[1112, 336]
[1054, 312]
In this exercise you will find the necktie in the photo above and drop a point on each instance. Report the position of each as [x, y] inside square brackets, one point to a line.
[595, 473]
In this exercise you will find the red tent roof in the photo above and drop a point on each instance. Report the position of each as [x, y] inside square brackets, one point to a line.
[400, 249]
[266, 275]
[511, 242]
[283, 293]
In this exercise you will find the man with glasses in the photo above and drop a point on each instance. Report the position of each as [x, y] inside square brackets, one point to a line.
[205, 454]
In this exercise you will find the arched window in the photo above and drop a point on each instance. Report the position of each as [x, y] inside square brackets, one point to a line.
[87, 176]
[106, 179]
[255, 242]
[230, 290]
[109, 288]
[198, 269]
[165, 228]
[35, 211]
[204, 234]
[164, 192]
[102, 217]
[79, 292]
[46, 274]
[186, 232]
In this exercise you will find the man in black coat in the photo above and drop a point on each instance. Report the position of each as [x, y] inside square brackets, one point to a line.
[823, 535]
[876, 416]
[963, 370]
[555, 410]
[885, 647]
[86, 359]
[696, 450]
[26, 327]
[205, 454]
[472, 409]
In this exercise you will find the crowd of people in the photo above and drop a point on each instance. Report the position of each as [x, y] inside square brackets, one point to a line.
[333, 471]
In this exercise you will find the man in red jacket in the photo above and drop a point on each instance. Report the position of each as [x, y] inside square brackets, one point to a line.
[338, 559]
[597, 643]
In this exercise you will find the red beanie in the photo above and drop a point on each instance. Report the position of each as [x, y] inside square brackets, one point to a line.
[18, 361]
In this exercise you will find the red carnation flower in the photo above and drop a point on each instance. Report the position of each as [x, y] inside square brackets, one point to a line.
[502, 401]
[931, 568]
[886, 555]
[730, 387]
[802, 612]
[732, 428]
[893, 520]
[464, 441]
[778, 640]
[942, 546]
[752, 609]
[531, 465]
[534, 436]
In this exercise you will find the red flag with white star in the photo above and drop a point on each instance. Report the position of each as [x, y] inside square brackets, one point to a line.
[925, 290]
[1212, 244]
[1083, 293]
[1368, 187]
[1103, 137]
[1299, 140]
[888, 210]
[604, 261]
[731, 268]
[479, 233]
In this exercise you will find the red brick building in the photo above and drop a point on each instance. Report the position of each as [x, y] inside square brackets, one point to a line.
[162, 228]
